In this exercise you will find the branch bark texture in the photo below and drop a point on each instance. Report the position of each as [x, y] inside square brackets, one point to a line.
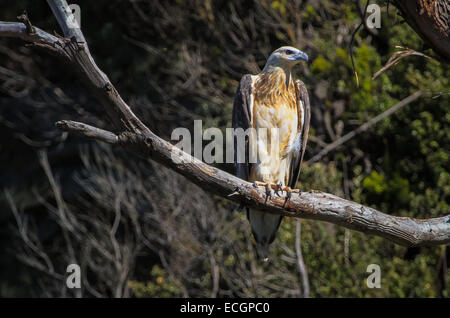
[431, 21]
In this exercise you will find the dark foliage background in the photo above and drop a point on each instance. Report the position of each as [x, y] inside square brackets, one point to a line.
[137, 229]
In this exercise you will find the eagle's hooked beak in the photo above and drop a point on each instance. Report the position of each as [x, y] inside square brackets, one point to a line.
[301, 56]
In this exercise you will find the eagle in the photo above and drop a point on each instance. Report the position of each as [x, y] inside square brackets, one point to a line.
[272, 102]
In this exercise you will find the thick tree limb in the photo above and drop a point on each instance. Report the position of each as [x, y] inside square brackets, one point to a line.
[314, 205]
[135, 137]
[431, 21]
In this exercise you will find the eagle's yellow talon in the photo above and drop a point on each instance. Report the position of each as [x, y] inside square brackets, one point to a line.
[289, 192]
[268, 187]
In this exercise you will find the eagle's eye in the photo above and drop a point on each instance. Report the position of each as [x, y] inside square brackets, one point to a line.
[289, 52]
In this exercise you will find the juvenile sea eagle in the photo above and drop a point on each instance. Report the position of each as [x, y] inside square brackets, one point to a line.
[272, 99]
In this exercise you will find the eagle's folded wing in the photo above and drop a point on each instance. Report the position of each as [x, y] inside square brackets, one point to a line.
[304, 112]
[242, 118]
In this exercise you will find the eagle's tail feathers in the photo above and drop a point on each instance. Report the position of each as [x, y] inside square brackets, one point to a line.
[263, 251]
[264, 228]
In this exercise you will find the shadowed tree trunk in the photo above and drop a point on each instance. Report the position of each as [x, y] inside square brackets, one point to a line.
[431, 21]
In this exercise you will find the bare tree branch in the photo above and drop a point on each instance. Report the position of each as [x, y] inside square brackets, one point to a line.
[303, 272]
[88, 131]
[39, 38]
[335, 144]
[396, 57]
[135, 137]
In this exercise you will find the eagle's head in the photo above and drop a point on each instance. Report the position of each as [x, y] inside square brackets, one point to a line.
[286, 57]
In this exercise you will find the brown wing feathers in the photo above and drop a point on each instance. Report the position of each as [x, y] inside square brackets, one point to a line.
[241, 119]
[303, 110]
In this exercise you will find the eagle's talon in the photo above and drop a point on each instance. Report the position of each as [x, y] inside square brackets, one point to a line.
[269, 187]
[268, 192]
[286, 201]
[288, 196]
[280, 187]
[268, 195]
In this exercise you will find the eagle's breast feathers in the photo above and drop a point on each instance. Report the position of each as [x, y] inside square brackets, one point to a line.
[275, 110]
